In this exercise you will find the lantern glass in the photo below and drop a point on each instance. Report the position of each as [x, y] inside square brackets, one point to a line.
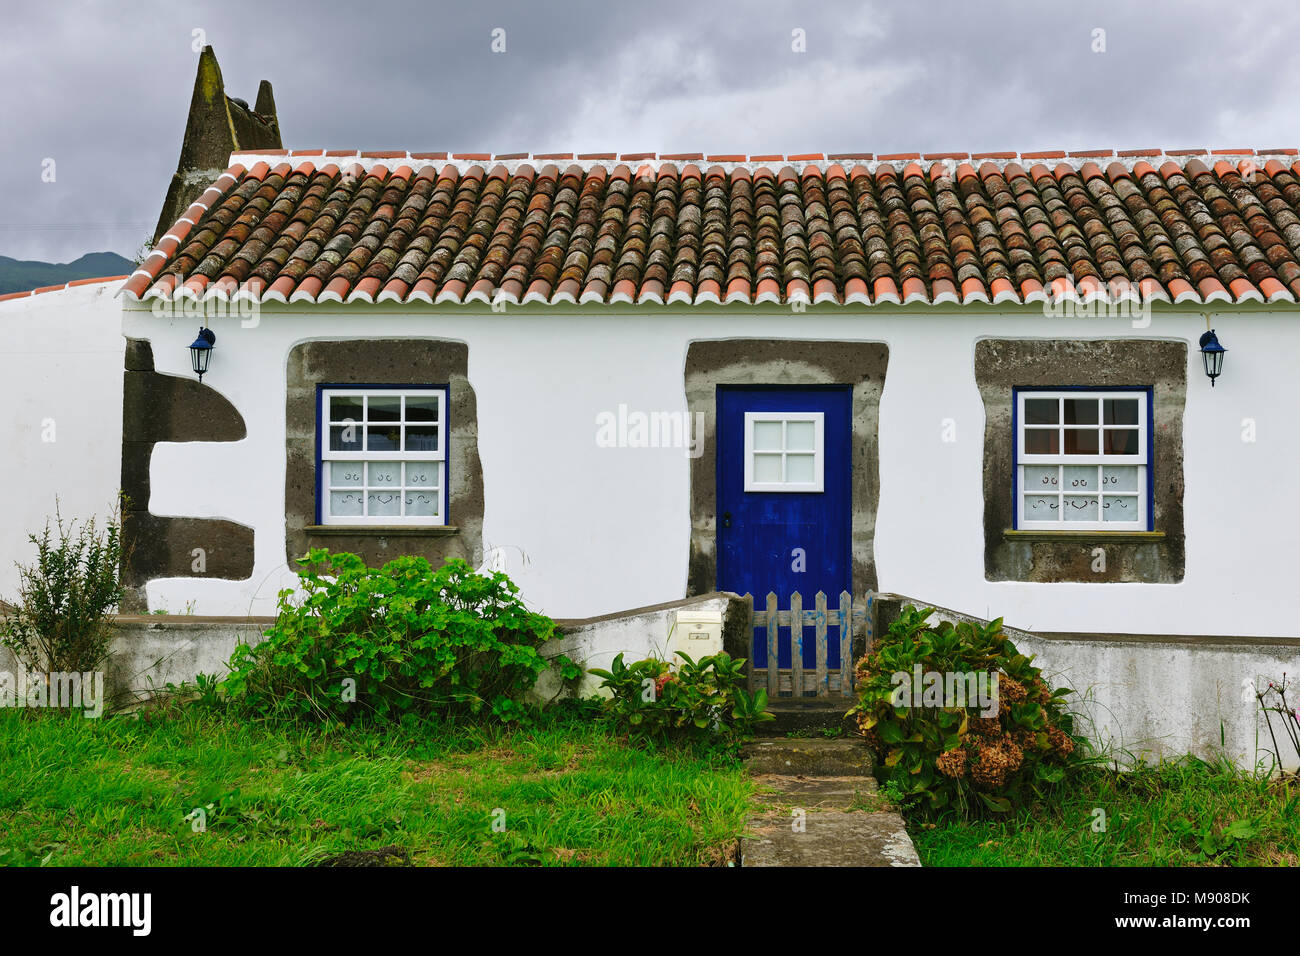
[1212, 354]
[201, 352]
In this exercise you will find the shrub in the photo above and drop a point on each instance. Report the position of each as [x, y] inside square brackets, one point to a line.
[936, 754]
[1272, 700]
[65, 600]
[700, 701]
[401, 639]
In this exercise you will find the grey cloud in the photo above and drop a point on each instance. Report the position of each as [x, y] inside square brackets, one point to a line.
[103, 88]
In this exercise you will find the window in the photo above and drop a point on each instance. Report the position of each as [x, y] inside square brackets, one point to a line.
[783, 451]
[383, 456]
[1083, 460]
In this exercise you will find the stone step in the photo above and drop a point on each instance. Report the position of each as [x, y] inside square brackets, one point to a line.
[810, 714]
[813, 794]
[829, 838]
[808, 757]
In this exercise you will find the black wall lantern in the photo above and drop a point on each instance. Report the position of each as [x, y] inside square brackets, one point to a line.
[1212, 353]
[201, 351]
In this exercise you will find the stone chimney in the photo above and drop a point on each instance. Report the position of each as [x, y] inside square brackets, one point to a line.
[218, 125]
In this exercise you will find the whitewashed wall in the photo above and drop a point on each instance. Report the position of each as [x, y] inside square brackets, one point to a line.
[61, 425]
[591, 530]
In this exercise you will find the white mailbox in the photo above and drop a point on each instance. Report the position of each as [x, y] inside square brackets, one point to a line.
[698, 633]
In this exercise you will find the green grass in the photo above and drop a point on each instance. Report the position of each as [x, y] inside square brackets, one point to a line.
[115, 792]
[1187, 813]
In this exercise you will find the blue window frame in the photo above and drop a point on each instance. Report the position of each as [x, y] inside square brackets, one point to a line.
[1084, 459]
[381, 454]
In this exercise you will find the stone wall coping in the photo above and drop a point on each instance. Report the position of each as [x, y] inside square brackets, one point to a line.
[572, 624]
[174, 620]
[1189, 640]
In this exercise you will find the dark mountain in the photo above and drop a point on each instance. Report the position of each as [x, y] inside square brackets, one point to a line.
[18, 276]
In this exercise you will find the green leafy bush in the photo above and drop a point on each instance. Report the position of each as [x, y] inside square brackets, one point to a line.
[700, 701]
[66, 599]
[935, 755]
[401, 639]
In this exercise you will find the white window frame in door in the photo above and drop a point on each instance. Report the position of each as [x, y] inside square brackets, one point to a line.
[818, 420]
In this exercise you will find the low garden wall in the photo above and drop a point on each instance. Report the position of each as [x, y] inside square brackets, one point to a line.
[1144, 696]
[151, 651]
[638, 633]
[1152, 696]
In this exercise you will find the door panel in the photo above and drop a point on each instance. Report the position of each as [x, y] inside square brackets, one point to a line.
[776, 532]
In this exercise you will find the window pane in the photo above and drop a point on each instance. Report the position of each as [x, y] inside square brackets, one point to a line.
[421, 437]
[1042, 478]
[1041, 411]
[1079, 508]
[422, 408]
[1080, 479]
[345, 503]
[767, 436]
[384, 408]
[1121, 411]
[383, 438]
[422, 474]
[1081, 411]
[1042, 508]
[800, 436]
[384, 474]
[345, 473]
[421, 503]
[799, 468]
[1081, 441]
[767, 468]
[345, 438]
[1122, 508]
[1041, 441]
[1121, 441]
[383, 502]
[345, 408]
[1119, 478]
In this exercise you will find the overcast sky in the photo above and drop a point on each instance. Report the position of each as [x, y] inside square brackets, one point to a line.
[103, 88]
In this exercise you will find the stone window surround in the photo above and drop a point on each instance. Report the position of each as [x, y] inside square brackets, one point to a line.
[782, 362]
[390, 361]
[1156, 556]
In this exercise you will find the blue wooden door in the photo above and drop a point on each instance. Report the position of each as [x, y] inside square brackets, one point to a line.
[784, 508]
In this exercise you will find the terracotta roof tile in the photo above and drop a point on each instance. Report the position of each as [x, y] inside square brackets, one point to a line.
[797, 228]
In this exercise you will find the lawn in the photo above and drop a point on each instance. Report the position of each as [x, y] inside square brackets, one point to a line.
[116, 792]
[1188, 813]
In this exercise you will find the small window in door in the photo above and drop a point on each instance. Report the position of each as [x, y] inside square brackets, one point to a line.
[784, 451]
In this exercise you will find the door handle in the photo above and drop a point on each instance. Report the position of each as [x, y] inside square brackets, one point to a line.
[726, 519]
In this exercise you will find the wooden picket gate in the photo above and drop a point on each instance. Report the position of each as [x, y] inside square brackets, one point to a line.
[796, 680]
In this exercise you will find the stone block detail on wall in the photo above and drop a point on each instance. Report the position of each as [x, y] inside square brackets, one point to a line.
[157, 407]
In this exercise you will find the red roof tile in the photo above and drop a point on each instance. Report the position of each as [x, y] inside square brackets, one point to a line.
[773, 228]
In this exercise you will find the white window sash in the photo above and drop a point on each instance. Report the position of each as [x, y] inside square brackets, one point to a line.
[399, 458]
[1140, 460]
[818, 420]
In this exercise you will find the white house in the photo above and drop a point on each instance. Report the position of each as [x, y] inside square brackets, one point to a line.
[976, 380]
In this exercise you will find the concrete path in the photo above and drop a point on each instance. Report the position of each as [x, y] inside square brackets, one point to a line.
[817, 806]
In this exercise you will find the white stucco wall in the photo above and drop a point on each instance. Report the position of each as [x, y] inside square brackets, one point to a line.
[590, 530]
[61, 428]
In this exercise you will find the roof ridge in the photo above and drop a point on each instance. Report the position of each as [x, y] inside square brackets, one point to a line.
[463, 160]
[59, 288]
